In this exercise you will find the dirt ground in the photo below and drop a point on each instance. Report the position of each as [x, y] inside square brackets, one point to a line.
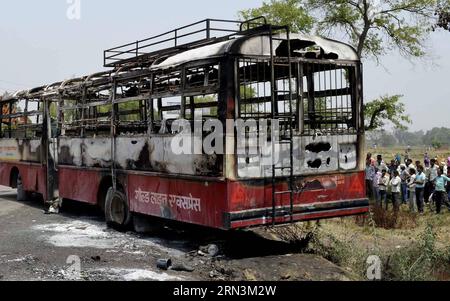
[357, 239]
[35, 246]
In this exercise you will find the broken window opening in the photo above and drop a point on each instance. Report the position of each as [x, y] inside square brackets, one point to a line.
[22, 119]
[328, 99]
[255, 93]
[200, 77]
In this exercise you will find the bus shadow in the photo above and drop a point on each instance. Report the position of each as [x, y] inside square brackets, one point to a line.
[235, 244]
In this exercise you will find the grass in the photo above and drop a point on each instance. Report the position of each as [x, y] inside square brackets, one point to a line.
[413, 248]
[410, 246]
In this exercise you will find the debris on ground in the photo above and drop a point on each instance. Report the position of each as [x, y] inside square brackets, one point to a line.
[163, 264]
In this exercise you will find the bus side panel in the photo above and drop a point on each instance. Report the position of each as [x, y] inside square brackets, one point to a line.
[79, 185]
[33, 176]
[191, 201]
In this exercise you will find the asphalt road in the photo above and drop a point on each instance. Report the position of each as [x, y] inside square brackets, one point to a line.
[77, 245]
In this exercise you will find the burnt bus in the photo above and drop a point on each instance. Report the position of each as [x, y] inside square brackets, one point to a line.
[107, 139]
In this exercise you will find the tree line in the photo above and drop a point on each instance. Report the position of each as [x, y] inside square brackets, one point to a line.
[436, 138]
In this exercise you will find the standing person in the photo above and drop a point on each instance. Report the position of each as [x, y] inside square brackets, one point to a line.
[409, 164]
[417, 165]
[392, 167]
[406, 155]
[371, 159]
[398, 158]
[380, 163]
[420, 187]
[395, 184]
[370, 174]
[440, 193]
[431, 174]
[376, 187]
[411, 183]
[448, 183]
[404, 175]
[447, 166]
[426, 160]
[383, 186]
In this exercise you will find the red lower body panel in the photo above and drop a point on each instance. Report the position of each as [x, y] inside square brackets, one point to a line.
[191, 201]
[208, 202]
[79, 184]
[33, 176]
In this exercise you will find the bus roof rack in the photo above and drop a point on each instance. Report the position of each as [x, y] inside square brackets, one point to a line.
[187, 37]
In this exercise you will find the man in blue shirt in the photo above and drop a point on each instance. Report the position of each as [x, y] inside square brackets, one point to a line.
[370, 174]
[420, 186]
[440, 193]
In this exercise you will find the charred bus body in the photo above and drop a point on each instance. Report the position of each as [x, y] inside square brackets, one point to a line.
[106, 139]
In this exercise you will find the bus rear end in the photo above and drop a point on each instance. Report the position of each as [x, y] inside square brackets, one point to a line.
[299, 154]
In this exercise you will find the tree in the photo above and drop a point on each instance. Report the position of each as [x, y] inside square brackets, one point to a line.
[409, 138]
[381, 138]
[443, 15]
[286, 12]
[386, 108]
[374, 28]
[441, 135]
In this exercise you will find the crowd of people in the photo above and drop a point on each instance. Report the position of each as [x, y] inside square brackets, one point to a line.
[408, 182]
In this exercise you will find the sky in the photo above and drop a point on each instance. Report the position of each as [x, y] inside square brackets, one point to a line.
[39, 44]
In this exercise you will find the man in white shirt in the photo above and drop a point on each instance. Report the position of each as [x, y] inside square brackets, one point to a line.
[383, 186]
[396, 190]
[380, 163]
[404, 175]
[412, 188]
[431, 174]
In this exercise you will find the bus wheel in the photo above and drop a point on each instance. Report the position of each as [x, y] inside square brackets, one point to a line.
[117, 212]
[21, 193]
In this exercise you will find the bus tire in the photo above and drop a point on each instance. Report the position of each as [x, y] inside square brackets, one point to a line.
[117, 211]
[22, 195]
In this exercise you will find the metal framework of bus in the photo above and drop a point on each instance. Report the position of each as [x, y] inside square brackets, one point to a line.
[105, 139]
